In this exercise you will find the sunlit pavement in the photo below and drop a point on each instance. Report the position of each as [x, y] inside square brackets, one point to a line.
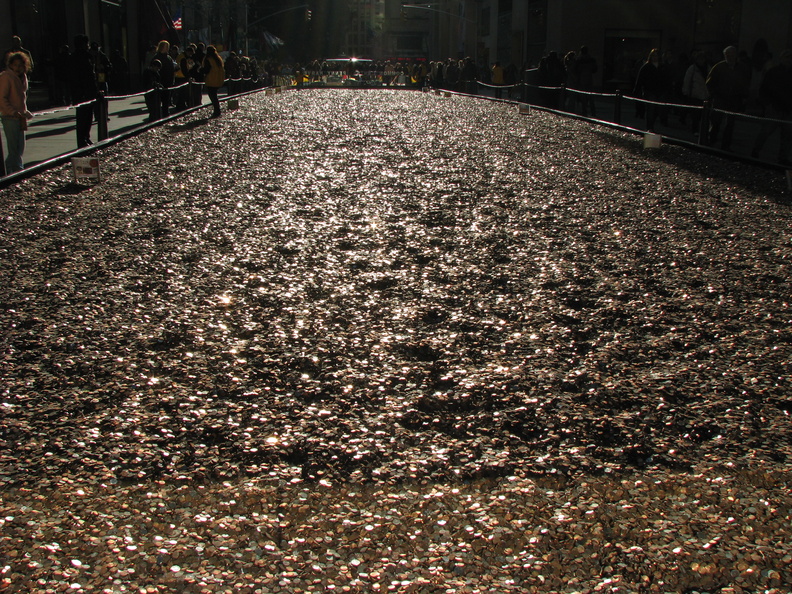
[51, 133]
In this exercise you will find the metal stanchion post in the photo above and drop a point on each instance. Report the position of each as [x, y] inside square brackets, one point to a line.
[617, 108]
[704, 123]
[195, 93]
[102, 116]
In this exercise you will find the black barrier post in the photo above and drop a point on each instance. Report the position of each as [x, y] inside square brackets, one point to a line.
[101, 115]
[195, 90]
[617, 108]
[704, 123]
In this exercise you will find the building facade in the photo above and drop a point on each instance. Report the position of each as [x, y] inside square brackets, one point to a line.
[619, 33]
[124, 26]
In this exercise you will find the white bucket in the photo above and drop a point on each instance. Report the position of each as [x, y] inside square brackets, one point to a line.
[652, 141]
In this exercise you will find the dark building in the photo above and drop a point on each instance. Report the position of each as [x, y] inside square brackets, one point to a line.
[126, 26]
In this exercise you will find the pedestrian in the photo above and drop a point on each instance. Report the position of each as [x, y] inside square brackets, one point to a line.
[231, 66]
[497, 79]
[13, 107]
[586, 66]
[694, 87]
[728, 87]
[62, 67]
[570, 82]
[755, 68]
[650, 86]
[200, 54]
[776, 95]
[83, 88]
[167, 74]
[153, 86]
[16, 46]
[102, 69]
[551, 77]
[214, 77]
[185, 77]
[120, 79]
[451, 74]
[468, 76]
[150, 54]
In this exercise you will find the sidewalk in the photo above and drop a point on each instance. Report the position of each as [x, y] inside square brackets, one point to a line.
[52, 133]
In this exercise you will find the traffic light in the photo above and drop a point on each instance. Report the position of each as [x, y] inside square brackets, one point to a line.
[307, 15]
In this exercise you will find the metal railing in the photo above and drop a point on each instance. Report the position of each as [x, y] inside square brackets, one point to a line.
[752, 136]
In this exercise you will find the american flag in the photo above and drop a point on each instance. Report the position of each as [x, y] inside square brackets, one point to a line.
[177, 20]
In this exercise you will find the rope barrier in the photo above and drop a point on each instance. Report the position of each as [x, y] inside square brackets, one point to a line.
[390, 78]
[489, 86]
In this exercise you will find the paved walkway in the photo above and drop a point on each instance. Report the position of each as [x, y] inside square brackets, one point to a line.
[52, 132]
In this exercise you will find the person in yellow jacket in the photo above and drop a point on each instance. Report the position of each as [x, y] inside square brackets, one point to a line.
[214, 77]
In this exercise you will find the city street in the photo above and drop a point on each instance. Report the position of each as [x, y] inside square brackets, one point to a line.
[388, 341]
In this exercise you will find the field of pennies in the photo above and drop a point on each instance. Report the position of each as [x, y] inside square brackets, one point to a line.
[389, 341]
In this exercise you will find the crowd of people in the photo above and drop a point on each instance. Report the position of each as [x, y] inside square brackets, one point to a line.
[82, 76]
[734, 83]
[737, 83]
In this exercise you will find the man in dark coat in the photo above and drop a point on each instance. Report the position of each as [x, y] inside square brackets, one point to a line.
[167, 74]
[727, 84]
[16, 46]
[776, 93]
[83, 88]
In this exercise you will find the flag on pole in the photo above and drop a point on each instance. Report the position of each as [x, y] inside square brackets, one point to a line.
[272, 41]
[177, 20]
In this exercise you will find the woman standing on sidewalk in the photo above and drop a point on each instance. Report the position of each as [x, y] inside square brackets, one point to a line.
[13, 107]
[214, 77]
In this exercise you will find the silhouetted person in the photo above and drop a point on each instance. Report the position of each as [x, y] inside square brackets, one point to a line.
[84, 89]
[586, 66]
[153, 86]
[16, 46]
[728, 88]
[651, 86]
[119, 83]
[776, 95]
[61, 66]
